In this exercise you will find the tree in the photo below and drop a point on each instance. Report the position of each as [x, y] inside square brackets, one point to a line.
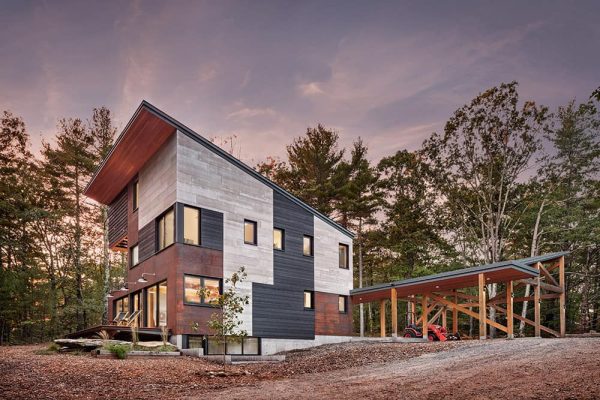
[477, 164]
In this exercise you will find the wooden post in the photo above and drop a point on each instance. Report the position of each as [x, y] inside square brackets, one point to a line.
[424, 319]
[394, 301]
[413, 310]
[455, 316]
[482, 313]
[509, 310]
[536, 305]
[382, 317]
[444, 317]
[562, 298]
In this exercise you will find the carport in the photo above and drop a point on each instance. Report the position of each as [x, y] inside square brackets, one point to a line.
[445, 292]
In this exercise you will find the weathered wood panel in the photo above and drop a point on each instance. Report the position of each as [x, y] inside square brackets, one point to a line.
[328, 319]
[147, 241]
[117, 219]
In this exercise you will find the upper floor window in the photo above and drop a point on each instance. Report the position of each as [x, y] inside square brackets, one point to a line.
[191, 225]
[250, 232]
[136, 195]
[166, 229]
[343, 258]
[278, 239]
[201, 290]
[342, 304]
[307, 246]
[309, 303]
[135, 255]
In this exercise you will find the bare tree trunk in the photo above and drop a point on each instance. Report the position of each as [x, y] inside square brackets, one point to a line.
[360, 278]
[81, 317]
[106, 265]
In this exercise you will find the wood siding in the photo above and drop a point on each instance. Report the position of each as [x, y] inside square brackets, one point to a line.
[211, 229]
[147, 241]
[278, 309]
[328, 319]
[117, 219]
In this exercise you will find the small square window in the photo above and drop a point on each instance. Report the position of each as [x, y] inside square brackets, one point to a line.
[308, 247]
[343, 258]
[278, 239]
[135, 255]
[308, 300]
[342, 304]
[250, 232]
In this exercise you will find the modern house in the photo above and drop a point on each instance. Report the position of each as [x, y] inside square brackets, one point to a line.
[189, 214]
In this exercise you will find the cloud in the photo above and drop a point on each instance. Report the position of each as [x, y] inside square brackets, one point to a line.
[207, 72]
[246, 112]
[310, 89]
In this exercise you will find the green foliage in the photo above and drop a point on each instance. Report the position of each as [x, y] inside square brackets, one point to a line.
[119, 350]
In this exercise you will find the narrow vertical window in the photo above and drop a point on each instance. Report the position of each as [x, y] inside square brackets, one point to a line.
[278, 236]
[308, 300]
[191, 225]
[343, 258]
[250, 232]
[151, 300]
[308, 247]
[342, 304]
[136, 195]
[135, 256]
[162, 304]
[166, 229]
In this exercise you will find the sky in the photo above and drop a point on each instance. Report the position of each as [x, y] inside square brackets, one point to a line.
[389, 72]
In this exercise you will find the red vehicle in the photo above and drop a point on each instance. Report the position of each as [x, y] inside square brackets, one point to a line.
[434, 333]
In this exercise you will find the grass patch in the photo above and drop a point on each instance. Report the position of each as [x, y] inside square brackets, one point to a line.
[166, 348]
[51, 349]
[119, 350]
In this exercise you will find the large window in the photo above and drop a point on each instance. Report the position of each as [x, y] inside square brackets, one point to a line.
[137, 306]
[121, 305]
[246, 346]
[278, 239]
[191, 225]
[250, 232]
[156, 305]
[309, 303]
[201, 290]
[151, 306]
[342, 304]
[136, 195]
[344, 259]
[162, 304]
[135, 255]
[307, 246]
[166, 229]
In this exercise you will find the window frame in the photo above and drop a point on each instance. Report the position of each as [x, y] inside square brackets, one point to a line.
[341, 296]
[131, 259]
[135, 196]
[344, 245]
[312, 300]
[282, 239]
[184, 206]
[255, 239]
[202, 302]
[312, 245]
[157, 222]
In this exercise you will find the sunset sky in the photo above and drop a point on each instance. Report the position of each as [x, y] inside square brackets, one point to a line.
[391, 72]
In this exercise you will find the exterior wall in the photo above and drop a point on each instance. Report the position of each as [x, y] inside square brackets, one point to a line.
[158, 183]
[132, 216]
[273, 346]
[278, 309]
[328, 319]
[329, 277]
[206, 180]
[117, 219]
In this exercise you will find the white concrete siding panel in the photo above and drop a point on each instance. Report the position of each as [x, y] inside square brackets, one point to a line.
[329, 277]
[273, 346]
[158, 183]
[205, 179]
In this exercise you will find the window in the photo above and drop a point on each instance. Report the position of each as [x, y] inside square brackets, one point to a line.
[308, 247]
[166, 229]
[162, 304]
[121, 305]
[246, 346]
[191, 225]
[135, 196]
[201, 290]
[344, 256]
[137, 306]
[135, 256]
[342, 302]
[278, 239]
[151, 307]
[308, 300]
[249, 232]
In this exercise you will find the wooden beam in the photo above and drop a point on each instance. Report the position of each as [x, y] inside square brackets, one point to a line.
[527, 321]
[382, 317]
[435, 316]
[546, 296]
[536, 304]
[429, 310]
[394, 301]
[547, 275]
[562, 299]
[545, 286]
[500, 297]
[457, 293]
[455, 316]
[424, 320]
[468, 312]
[482, 317]
[469, 304]
[509, 310]
[444, 317]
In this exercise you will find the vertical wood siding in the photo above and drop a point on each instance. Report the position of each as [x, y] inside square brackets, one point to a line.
[117, 219]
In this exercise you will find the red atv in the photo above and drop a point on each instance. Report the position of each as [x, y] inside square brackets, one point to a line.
[434, 333]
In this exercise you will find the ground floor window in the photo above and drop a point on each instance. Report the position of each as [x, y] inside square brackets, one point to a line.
[201, 290]
[243, 346]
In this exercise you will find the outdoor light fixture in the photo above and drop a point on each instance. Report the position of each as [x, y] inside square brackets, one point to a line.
[144, 280]
[124, 287]
[109, 296]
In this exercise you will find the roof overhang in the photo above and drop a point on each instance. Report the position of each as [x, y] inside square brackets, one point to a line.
[140, 140]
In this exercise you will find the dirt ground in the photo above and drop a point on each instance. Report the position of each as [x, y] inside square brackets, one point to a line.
[494, 369]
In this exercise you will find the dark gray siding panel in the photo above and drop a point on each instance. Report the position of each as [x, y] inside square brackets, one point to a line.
[147, 241]
[117, 218]
[211, 229]
[278, 309]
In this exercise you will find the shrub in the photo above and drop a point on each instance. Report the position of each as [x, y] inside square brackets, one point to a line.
[119, 350]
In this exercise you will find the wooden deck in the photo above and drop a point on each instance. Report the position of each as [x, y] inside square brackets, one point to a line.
[114, 331]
